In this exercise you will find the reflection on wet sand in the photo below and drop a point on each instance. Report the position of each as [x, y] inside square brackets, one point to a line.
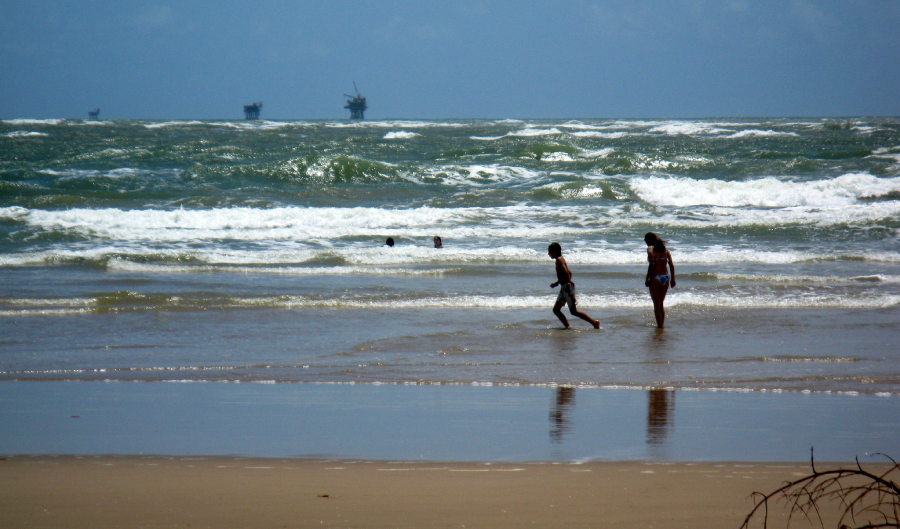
[559, 414]
[660, 411]
[660, 402]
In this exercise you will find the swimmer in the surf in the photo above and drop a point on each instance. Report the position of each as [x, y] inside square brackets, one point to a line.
[567, 290]
[660, 274]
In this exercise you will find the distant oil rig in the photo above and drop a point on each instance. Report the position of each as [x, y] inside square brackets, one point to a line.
[93, 114]
[357, 104]
[251, 111]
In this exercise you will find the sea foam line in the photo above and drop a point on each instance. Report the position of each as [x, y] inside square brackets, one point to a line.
[123, 302]
[126, 258]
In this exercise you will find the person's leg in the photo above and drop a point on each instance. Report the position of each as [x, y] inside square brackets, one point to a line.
[560, 315]
[658, 294]
[583, 316]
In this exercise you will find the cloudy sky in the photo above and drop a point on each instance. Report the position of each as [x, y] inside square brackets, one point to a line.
[450, 59]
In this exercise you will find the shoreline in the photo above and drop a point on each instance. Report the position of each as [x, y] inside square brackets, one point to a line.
[445, 383]
[152, 491]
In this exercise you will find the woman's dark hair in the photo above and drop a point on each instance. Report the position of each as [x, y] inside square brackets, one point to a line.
[659, 245]
[650, 238]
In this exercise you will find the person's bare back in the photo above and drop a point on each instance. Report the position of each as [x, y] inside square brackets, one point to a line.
[563, 274]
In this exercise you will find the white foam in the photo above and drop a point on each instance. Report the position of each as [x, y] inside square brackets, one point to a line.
[256, 124]
[121, 172]
[727, 217]
[122, 265]
[577, 125]
[286, 225]
[886, 150]
[687, 128]
[400, 135]
[34, 121]
[557, 156]
[893, 156]
[602, 135]
[25, 134]
[804, 279]
[275, 258]
[753, 133]
[481, 175]
[529, 132]
[600, 153]
[586, 300]
[765, 192]
[394, 124]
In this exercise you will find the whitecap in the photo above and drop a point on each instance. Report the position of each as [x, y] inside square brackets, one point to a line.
[600, 153]
[557, 156]
[394, 124]
[602, 135]
[764, 192]
[532, 132]
[25, 134]
[164, 124]
[24, 121]
[687, 128]
[400, 135]
[754, 133]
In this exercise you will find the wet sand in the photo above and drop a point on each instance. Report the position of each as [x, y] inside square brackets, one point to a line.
[222, 492]
[439, 423]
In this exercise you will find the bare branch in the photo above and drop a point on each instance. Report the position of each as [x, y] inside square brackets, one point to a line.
[865, 500]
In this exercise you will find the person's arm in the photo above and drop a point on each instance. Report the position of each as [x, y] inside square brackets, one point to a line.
[649, 272]
[671, 267]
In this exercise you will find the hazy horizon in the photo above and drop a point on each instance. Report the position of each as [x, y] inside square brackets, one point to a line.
[686, 59]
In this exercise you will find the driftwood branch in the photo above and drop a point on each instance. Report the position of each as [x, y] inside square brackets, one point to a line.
[864, 499]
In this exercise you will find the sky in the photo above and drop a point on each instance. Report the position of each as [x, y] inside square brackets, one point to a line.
[422, 59]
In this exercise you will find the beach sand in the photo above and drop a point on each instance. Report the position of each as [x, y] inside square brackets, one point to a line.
[221, 492]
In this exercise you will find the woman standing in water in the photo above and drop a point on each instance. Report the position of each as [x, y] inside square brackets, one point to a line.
[660, 272]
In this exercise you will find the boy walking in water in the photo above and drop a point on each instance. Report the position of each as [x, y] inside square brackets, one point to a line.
[567, 290]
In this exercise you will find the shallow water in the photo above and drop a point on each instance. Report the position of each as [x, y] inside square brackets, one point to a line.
[252, 251]
[440, 423]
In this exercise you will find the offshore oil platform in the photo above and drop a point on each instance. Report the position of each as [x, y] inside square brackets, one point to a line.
[93, 114]
[251, 111]
[357, 104]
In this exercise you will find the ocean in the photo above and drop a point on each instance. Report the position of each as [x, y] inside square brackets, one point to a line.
[254, 251]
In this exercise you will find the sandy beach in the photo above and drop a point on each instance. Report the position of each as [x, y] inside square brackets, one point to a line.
[119, 491]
